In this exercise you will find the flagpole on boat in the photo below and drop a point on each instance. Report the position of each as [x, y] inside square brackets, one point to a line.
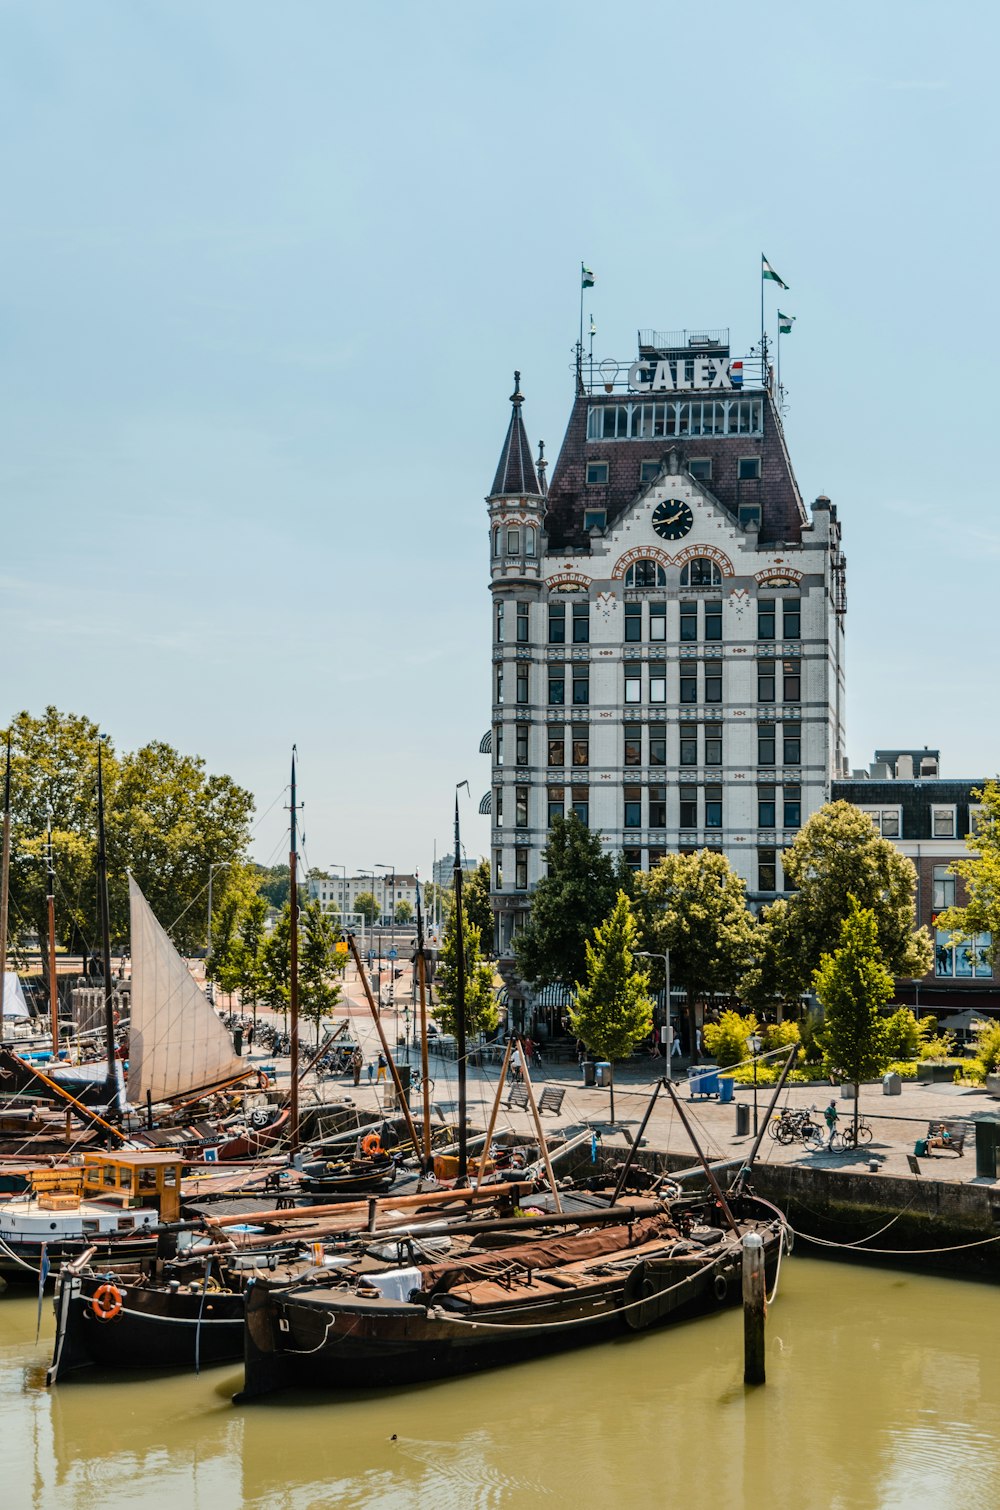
[5, 878]
[293, 982]
[463, 1150]
[102, 897]
[424, 1066]
[50, 901]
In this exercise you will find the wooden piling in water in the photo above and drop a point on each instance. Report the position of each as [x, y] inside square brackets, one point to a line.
[754, 1306]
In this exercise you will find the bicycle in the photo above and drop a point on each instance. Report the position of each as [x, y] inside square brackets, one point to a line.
[864, 1135]
[417, 1082]
[792, 1124]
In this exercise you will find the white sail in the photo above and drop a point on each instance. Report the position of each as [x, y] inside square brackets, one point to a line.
[177, 1043]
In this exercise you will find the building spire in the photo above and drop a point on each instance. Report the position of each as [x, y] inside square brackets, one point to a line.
[516, 470]
[541, 466]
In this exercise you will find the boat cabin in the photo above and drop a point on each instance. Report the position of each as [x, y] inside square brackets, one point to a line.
[131, 1177]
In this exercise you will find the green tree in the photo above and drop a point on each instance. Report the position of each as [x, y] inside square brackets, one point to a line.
[476, 902]
[837, 854]
[727, 1040]
[695, 907]
[274, 883]
[481, 1012]
[575, 895]
[367, 904]
[318, 993]
[853, 985]
[253, 938]
[223, 965]
[431, 896]
[276, 963]
[613, 1011]
[981, 874]
[404, 912]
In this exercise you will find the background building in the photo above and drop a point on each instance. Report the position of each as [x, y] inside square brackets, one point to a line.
[667, 625]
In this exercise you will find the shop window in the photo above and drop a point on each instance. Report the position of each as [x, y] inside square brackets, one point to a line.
[966, 961]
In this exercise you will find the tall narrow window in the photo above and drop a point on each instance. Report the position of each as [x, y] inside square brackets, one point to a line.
[581, 623]
[498, 743]
[944, 887]
[498, 633]
[713, 807]
[521, 743]
[581, 804]
[633, 744]
[791, 681]
[767, 870]
[632, 858]
[689, 807]
[498, 869]
[793, 806]
[556, 803]
[766, 808]
[557, 744]
[766, 748]
[513, 542]
[657, 621]
[713, 682]
[689, 683]
[581, 685]
[522, 623]
[657, 681]
[657, 745]
[521, 807]
[633, 807]
[557, 683]
[522, 684]
[498, 806]
[633, 622]
[520, 870]
[791, 744]
[557, 623]
[581, 747]
[713, 621]
[765, 681]
[529, 541]
[657, 807]
[791, 619]
[689, 745]
[689, 621]
[498, 698]
[633, 681]
[765, 618]
[713, 744]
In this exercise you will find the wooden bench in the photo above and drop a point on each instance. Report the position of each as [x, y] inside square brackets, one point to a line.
[551, 1100]
[948, 1135]
[517, 1096]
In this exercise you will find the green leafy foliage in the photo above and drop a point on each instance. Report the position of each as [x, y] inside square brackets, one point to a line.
[367, 904]
[906, 1034]
[613, 1010]
[404, 912]
[853, 985]
[319, 993]
[988, 1046]
[481, 1012]
[981, 874]
[476, 902]
[569, 902]
[273, 884]
[727, 1039]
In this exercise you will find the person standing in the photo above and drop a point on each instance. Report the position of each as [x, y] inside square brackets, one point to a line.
[357, 1060]
[383, 1065]
[830, 1117]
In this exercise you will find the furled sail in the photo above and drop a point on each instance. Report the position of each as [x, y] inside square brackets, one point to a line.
[177, 1043]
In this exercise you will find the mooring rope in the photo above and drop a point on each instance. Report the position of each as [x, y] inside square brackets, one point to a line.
[823, 1242]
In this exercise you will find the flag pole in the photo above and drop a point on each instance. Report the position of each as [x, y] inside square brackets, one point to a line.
[763, 341]
[579, 344]
[777, 344]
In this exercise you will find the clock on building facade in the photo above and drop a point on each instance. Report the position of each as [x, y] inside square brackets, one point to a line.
[672, 519]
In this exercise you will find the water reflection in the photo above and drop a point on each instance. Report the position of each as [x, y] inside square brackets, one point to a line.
[883, 1391]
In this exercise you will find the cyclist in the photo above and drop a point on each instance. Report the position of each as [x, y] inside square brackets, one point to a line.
[830, 1117]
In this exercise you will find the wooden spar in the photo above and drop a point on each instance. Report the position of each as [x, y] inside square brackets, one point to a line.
[91, 1117]
[466, 1196]
[463, 1151]
[50, 899]
[634, 1149]
[102, 890]
[293, 982]
[496, 1108]
[744, 1173]
[5, 878]
[424, 1066]
[401, 1095]
[539, 1128]
[716, 1187]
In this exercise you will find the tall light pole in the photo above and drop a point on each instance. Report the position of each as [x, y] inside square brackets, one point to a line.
[370, 875]
[668, 1046]
[755, 1044]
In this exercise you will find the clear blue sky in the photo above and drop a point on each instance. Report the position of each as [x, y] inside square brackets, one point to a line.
[267, 271]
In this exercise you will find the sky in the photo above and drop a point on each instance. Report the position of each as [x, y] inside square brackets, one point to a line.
[267, 271]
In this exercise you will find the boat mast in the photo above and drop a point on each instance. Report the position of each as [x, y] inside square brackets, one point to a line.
[463, 1151]
[102, 897]
[5, 878]
[424, 1067]
[293, 983]
[50, 900]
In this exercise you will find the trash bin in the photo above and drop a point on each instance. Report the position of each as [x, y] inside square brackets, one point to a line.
[589, 1072]
[892, 1085]
[603, 1071]
[703, 1080]
[403, 1071]
[726, 1087]
[742, 1119]
[987, 1139]
[238, 1042]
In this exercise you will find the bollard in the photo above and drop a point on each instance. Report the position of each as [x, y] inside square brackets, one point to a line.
[753, 1308]
[372, 1212]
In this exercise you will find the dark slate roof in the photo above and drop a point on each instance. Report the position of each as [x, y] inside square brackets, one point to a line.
[516, 471]
[916, 798]
[782, 511]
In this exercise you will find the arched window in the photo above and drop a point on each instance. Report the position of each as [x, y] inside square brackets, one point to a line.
[701, 572]
[496, 540]
[645, 574]
[529, 541]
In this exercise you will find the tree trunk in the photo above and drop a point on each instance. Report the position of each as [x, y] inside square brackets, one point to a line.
[857, 1090]
[612, 1088]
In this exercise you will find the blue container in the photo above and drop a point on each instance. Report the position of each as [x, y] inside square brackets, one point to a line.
[726, 1087]
[703, 1081]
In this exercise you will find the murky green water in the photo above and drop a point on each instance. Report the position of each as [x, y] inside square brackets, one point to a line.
[883, 1391]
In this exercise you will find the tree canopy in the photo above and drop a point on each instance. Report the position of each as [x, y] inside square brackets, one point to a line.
[366, 904]
[836, 855]
[481, 1012]
[981, 874]
[853, 985]
[613, 1011]
[476, 902]
[569, 902]
[319, 993]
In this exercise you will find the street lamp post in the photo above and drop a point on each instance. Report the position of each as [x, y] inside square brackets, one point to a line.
[755, 1044]
[668, 1047]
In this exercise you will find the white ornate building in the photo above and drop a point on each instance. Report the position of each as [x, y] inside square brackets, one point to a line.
[668, 626]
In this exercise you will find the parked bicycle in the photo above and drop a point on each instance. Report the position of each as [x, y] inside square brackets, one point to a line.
[845, 1140]
[795, 1124]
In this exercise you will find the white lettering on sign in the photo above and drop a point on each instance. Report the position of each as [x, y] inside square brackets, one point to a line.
[667, 377]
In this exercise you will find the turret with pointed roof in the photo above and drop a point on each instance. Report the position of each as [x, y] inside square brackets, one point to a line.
[516, 475]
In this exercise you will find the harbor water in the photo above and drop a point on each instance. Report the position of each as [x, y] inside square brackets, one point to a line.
[883, 1390]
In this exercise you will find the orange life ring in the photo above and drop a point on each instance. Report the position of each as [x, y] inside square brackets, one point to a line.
[371, 1146]
[107, 1302]
[262, 1081]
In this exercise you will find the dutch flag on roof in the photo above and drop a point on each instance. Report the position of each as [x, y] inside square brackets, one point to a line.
[736, 374]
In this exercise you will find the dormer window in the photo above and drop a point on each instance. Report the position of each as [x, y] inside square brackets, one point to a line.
[649, 471]
[748, 468]
[701, 468]
[701, 572]
[597, 473]
[595, 519]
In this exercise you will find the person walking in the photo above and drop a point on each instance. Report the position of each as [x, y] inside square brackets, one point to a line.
[830, 1117]
[383, 1065]
[357, 1061]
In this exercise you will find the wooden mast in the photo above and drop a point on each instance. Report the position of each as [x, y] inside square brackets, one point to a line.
[102, 897]
[5, 878]
[404, 1104]
[293, 983]
[463, 1149]
[424, 1066]
[50, 899]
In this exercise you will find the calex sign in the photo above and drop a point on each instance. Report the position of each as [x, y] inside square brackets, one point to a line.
[670, 377]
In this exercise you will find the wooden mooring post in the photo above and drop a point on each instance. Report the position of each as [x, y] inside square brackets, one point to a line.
[754, 1306]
